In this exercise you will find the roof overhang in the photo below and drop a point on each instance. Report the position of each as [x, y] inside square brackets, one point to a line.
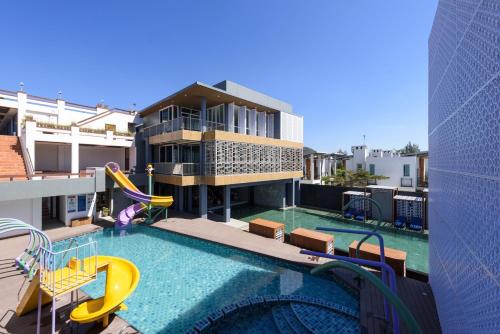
[191, 97]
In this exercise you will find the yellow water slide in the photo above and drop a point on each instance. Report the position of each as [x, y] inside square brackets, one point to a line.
[122, 277]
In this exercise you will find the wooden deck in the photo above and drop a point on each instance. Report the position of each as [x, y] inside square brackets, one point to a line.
[417, 296]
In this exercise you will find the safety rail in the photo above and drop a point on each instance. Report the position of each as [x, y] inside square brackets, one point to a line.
[68, 269]
[43, 176]
[401, 309]
[180, 123]
[177, 168]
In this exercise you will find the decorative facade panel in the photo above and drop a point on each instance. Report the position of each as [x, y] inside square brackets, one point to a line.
[233, 158]
[464, 165]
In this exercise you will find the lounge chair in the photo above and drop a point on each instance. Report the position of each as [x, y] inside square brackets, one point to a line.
[400, 222]
[350, 213]
[360, 215]
[416, 224]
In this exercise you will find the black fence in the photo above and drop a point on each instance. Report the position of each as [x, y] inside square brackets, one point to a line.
[330, 197]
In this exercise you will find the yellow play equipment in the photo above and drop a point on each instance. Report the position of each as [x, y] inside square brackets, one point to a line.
[122, 277]
[65, 271]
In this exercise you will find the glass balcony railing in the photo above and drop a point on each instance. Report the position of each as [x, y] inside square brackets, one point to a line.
[177, 168]
[181, 123]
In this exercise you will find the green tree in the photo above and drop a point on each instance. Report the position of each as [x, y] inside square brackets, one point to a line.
[409, 148]
[359, 178]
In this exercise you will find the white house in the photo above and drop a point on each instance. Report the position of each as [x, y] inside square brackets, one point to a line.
[51, 138]
[406, 172]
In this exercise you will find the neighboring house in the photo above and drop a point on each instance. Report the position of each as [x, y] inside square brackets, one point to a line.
[44, 140]
[318, 165]
[214, 147]
[406, 172]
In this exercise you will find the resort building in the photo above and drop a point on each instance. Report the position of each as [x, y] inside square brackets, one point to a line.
[214, 147]
[406, 172]
[46, 149]
[318, 165]
[464, 182]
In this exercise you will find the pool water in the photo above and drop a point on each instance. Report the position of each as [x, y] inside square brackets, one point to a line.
[416, 247]
[184, 279]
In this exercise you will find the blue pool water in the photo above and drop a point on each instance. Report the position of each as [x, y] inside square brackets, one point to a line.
[184, 279]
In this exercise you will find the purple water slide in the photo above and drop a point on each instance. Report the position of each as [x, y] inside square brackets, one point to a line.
[126, 215]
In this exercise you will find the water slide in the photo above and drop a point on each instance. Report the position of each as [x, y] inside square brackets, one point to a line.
[122, 277]
[130, 190]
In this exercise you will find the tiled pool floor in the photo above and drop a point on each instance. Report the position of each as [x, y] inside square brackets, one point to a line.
[416, 246]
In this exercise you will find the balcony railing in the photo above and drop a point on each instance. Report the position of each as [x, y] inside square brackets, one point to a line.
[181, 123]
[406, 182]
[177, 168]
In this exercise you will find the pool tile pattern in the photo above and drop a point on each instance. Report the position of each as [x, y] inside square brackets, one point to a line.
[184, 279]
[464, 165]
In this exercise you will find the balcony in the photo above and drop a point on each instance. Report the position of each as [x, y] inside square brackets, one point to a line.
[177, 168]
[181, 123]
[406, 182]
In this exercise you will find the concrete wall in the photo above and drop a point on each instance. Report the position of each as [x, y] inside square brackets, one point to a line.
[95, 156]
[27, 210]
[392, 167]
[464, 182]
[271, 195]
[47, 157]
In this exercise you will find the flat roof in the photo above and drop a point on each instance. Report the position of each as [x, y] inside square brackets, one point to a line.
[408, 198]
[222, 92]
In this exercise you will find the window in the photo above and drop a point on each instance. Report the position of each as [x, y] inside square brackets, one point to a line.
[82, 203]
[406, 170]
[372, 169]
[236, 118]
[359, 166]
[110, 127]
[216, 114]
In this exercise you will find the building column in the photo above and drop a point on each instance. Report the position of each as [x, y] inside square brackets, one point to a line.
[75, 150]
[180, 198]
[190, 198]
[311, 167]
[203, 201]
[227, 204]
[290, 194]
[22, 101]
[29, 141]
[297, 192]
[203, 114]
[229, 116]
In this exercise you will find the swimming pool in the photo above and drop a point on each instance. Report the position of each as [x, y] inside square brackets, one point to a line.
[416, 246]
[184, 279]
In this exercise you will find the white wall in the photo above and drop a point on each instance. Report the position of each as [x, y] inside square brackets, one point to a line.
[66, 216]
[121, 121]
[393, 168]
[97, 156]
[27, 210]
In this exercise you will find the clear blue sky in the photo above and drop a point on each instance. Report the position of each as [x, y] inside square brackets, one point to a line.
[349, 67]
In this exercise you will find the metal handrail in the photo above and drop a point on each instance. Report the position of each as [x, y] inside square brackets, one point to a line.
[382, 265]
[410, 321]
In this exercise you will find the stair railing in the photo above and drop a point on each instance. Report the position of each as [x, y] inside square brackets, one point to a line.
[410, 321]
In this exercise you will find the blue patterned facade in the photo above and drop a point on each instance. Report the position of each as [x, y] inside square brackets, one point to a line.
[464, 165]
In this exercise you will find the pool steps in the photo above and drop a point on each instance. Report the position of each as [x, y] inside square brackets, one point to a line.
[288, 312]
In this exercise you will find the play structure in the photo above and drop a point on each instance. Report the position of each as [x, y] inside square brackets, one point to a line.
[28, 259]
[53, 274]
[152, 205]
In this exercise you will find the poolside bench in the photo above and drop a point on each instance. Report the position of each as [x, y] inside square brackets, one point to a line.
[312, 240]
[267, 228]
[81, 221]
[394, 257]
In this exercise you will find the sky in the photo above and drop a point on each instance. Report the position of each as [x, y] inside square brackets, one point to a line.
[351, 68]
